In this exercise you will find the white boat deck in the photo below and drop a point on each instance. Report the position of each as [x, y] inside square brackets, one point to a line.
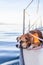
[33, 57]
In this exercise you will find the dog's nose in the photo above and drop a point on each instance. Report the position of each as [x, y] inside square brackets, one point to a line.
[17, 45]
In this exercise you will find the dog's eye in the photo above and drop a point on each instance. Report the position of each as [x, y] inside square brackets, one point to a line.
[21, 41]
[27, 39]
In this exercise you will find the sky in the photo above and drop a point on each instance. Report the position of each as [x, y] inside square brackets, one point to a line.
[11, 11]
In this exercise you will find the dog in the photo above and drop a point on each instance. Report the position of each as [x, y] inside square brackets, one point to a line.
[30, 39]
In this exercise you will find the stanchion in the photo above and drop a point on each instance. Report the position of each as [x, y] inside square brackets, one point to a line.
[21, 57]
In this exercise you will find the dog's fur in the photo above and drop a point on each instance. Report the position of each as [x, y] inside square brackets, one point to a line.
[27, 39]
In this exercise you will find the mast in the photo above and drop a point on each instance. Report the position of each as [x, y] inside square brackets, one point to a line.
[23, 21]
[24, 15]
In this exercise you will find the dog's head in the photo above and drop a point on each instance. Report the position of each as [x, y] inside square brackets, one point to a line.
[24, 41]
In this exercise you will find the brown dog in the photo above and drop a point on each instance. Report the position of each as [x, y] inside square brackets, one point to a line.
[31, 38]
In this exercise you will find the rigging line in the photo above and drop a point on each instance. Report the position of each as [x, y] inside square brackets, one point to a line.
[29, 4]
[40, 21]
[36, 21]
[36, 37]
[33, 23]
[27, 13]
[38, 6]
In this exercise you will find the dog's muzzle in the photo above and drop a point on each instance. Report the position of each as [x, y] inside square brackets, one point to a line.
[18, 45]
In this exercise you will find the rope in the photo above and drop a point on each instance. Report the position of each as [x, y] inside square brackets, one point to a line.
[29, 4]
[36, 37]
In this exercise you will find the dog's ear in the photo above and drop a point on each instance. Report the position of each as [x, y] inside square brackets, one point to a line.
[18, 38]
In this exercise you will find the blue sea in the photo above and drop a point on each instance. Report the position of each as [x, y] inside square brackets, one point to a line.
[9, 54]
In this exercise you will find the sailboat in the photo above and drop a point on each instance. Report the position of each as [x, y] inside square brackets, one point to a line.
[30, 57]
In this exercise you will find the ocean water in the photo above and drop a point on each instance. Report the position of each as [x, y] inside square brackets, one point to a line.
[9, 54]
